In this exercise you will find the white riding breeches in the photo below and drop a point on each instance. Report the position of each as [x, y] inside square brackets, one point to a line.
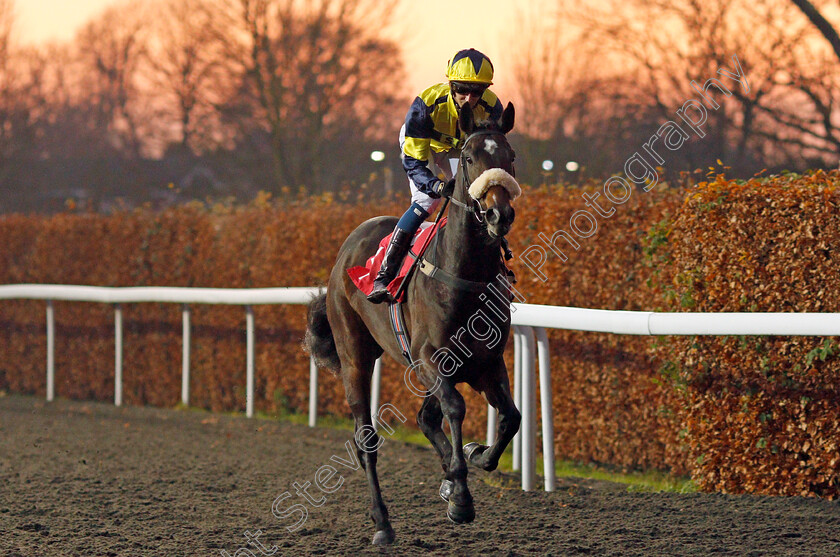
[441, 162]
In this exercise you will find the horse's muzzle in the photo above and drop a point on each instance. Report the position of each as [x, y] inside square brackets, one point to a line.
[499, 220]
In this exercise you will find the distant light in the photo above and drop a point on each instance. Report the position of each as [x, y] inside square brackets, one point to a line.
[572, 166]
[377, 156]
[547, 165]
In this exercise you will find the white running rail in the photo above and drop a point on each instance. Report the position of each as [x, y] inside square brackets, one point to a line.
[529, 323]
[540, 317]
[164, 294]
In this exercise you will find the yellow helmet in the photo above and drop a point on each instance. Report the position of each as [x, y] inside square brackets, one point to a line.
[470, 66]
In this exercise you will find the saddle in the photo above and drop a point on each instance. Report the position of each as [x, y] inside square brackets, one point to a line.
[363, 277]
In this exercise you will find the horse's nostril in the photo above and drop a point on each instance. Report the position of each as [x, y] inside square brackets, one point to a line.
[493, 215]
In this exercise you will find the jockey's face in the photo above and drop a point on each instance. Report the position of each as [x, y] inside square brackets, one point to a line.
[471, 98]
[467, 93]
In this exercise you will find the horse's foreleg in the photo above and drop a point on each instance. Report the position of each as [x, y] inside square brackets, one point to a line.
[430, 418]
[454, 408]
[498, 395]
[357, 389]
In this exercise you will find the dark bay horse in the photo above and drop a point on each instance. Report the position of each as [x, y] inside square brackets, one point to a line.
[456, 336]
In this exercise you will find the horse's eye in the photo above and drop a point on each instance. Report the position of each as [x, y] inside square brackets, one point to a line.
[468, 159]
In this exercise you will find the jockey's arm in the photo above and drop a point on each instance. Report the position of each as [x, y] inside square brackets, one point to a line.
[420, 173]
[417, 149]
[492, 105]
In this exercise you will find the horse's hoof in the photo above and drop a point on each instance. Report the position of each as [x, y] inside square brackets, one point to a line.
[470, 449]
[384, 537]
[461, 514]
[476, 456]
[446, 490]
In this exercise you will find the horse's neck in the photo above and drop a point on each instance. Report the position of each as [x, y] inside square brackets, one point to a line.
[465, 250]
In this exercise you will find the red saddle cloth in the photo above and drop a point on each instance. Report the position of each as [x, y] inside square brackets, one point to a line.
[363, 277]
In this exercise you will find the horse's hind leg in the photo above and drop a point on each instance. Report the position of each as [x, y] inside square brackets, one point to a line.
[497, 391]
[357, 390]
[358, 352]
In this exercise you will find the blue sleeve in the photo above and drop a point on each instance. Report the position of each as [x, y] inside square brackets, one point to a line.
[419, 173]
[496, 110]
[493, 112]
[417, 146]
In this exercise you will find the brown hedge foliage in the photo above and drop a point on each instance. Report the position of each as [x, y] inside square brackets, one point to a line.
[262, 245]
[747, 414]
[610, 406]
[759, 414]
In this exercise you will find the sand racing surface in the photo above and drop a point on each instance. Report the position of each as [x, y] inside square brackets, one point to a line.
[87, 479]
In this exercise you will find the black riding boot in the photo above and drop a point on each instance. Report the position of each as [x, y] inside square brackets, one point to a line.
[394, 255]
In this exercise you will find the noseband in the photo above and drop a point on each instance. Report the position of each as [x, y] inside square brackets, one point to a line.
[475, 208]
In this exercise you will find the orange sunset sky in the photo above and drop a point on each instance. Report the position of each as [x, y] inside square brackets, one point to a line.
[431, 31]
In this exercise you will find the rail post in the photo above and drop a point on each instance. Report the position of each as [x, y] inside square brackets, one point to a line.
[185, 355]
[249, 365]
[313, 392]
[50, 351]
[375, 391]
[492, 418]
[517, 393]
[547, 408]
[118, 354]
[529, 418]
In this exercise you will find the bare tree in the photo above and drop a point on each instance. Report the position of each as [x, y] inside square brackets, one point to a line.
[280, 92]
[8, 85]
[111, 48]
[547, 78]
[185, 58]
[26, 108]
[310, 72]
[66, 117]
[821, 23]
[22, 99]
[7, 21]
[653, 55]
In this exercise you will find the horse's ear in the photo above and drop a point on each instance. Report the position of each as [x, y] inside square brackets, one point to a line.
[506, 122]
[466, 119]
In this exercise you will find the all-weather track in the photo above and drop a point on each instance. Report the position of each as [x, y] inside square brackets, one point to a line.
[89, 479]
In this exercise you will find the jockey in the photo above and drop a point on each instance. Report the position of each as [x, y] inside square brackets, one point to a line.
[429, 142]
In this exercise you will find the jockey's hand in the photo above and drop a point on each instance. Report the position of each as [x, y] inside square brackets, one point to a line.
[445, 189]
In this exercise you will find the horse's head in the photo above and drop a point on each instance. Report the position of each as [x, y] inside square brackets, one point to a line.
[486, 170]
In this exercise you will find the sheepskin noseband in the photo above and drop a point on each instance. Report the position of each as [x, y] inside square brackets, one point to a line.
[494, 177]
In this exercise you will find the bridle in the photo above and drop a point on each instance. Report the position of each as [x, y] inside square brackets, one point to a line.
[475, 208]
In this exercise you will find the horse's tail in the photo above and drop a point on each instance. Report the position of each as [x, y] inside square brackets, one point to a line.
[319, 341]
